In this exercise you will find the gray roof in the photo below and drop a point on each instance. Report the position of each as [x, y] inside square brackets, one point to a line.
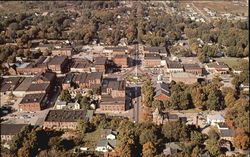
[109, 131]
[45, 76]
[116, 85]
[25, 84]
[57, 60]
[11, 129]
[227, 133]
[38, 87]
[149, 56]
[103, 142]
[158, 49]
[33, 98]
[65, 115]
[100, 60]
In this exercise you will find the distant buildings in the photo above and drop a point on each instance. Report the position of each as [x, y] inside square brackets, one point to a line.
[107, 142]
[121, 60]
[217, 68]
[156, 50]
[173, 66]
[193, 68]
[66, 51]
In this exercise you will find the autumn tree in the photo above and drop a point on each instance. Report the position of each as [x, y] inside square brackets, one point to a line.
[241, 139]
[149, 149]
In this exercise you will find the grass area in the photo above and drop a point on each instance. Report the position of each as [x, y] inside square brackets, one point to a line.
[231, 62]
[131, 78]
[92, 137]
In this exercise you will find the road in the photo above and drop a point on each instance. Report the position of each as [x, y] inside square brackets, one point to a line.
[203, 15]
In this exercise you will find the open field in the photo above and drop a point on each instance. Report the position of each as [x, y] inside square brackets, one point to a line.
[231, 62]
[219, 6]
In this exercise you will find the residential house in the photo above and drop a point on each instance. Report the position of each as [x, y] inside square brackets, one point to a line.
[33, 102]
[171, 148]
[227, 134]
[162, 92]
[152, 60]
[104, 145]
[58, 64]
[244, 86]
[213, 119]
[61, 105]
[64, 119]
[187, 78]
[109, 134]
[193, 68]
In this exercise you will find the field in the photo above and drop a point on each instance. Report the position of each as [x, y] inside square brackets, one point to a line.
[231, 62]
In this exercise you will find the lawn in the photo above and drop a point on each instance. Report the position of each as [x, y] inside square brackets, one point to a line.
[231, 62]
[92, 137]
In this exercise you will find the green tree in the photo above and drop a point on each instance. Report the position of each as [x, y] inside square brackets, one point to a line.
[149, 149]
[65, 96]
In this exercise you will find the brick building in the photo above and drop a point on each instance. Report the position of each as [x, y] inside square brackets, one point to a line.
[8, 131]
[193, 68]
[58, 64]
[67, 81]
[157, 50]
[121, 60]
[100, 64]
[113, 51]
[152, 60]
[173, 66]
[86, 80]
[64, 119]
[113, 96]
[217, 68]
[81, 65]
[66, 51]
[33, 102]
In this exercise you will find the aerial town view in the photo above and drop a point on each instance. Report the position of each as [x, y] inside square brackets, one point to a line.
[124, 78]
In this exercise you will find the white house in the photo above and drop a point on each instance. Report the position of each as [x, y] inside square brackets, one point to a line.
[73, 106]
[61, 105]
[109, 134]
[104, 145]
[214, 119]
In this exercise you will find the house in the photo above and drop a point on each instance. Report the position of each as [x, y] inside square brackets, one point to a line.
[193, 68]
[104, 145]
[222, 126]
[33, 102]
[157, 50]
[73, 106]
[152, 60]
[162, 92]
[61, 105]
[121, 60]
[58, 64]
[173, 66]
[8, 131]
[217, 68]
[109, 134]
[100, 64]
[213, 119]
[64, 119]
[244, 86]
[227, 134]
[187, 78]
[66, 51]
[171, 148]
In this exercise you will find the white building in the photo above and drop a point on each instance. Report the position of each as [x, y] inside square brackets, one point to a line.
[215, 119]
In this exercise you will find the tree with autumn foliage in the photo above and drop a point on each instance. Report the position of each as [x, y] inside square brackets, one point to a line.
[241, 139]
[149, 149]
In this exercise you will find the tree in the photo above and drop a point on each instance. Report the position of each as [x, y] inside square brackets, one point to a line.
[241, 139]
[82, 126]
[65, 96]
[175, 131]
[212, 143]
[85, 103]
[198, 97]
[148, 135]
[149, 149]
[196, 137]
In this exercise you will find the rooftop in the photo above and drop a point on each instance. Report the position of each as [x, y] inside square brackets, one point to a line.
[11, 129]
[173, 64]
[100, 60]
[116, 85]
[191, 66]
[65, 115]
[68, 78]
[108, 100]
[38, 87]
[182, 75]
[25, 84]
[33, 98]
[149, 56]
[156, 49]
[57, 60]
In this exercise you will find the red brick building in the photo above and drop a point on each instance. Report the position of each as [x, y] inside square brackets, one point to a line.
[86, 80]
[33, 102]
[100, 64]
[121, 61]
[58, 64]
[152, 60]
[193, 68]
[67, 51]
[64, 119]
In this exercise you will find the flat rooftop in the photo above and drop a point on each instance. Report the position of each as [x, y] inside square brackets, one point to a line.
[65, 115]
